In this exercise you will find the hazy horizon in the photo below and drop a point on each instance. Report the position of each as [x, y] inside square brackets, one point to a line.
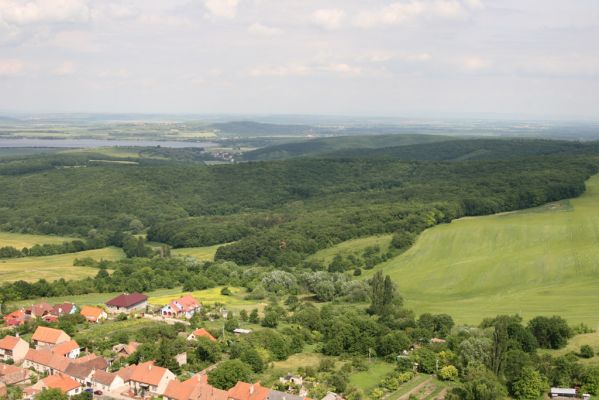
[445, 59]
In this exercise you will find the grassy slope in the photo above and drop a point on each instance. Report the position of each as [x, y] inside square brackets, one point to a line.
[20, 240]
[54, 267]
[201, 253]
[355, 247]
[592, 339]
[538, 261]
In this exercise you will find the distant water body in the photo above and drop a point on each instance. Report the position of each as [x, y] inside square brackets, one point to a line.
[93, 143]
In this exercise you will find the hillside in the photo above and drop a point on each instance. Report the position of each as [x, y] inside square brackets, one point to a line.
[535, 261]
[354, 144]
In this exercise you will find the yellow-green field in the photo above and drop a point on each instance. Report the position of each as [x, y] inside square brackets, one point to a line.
[592, 339]
[20, 240]
[355, 247]
[201, 253]
[541, 261]
[54, 267]
[207, 296]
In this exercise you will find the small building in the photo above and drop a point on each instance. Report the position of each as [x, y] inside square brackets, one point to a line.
[93, 314]
[16, 318]
[195, 388]
[13, 348]
[39, 310]
[127, 303]
[45, 362]
[240, 331]
[64, 309]
[68, 349]
[125, 350]
[290, 379]
[13, 375]
[184, 307]
[248, 391]
[106, 381]
[48, 337]
[150, 379]
[65, 384]
[557, 393]
[200, 332]
[332, 396]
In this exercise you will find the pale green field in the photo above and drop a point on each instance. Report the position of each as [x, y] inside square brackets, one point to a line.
[20, 240]
[54, 267]
[592, 339]
[355, 247]
[207, 296]
[532, 262]
[368, 380]
[201, 253]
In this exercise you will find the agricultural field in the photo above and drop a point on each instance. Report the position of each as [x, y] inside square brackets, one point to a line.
[201, 253]
[20, 240]
[54, 267]
[207, 296]
[540, 261]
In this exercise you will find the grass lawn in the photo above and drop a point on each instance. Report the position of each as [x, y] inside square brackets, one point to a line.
[355, 247]
[592, 339]
[207, 296]
[54, 267]
[368, 380]
[20, 240]
[201, 253]
[107, 328]
[281, 368]
[541, 261]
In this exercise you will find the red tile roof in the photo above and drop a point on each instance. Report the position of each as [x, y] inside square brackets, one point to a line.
[15, 318]
[103, 377]
[48, 335]
[185, 303]
[248, 391]
[60, 381]
[201, 332]
[39, 310]
[47, 358]
[64, 308]
[92, 313]
[127, 300]
[148, 373]
[9, 342]
[65, 348]
[195, 388]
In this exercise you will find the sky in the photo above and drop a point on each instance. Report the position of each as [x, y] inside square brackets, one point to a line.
[536, 58]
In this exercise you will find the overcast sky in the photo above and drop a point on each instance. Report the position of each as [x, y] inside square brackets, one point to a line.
[349, 57]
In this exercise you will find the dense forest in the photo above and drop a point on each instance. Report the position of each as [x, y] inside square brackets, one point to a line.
[280, 211]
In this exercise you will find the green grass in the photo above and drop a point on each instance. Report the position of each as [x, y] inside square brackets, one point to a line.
[281, 368]
[355, 247]
[105, 329]
[20, 240]
[368, 380]
[201, 253]
[54, 267]
[408, 386]
[541, 261]
[592, 339]
[207, 296]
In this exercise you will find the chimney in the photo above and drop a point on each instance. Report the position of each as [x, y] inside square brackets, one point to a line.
[252, 389]
[17, 334]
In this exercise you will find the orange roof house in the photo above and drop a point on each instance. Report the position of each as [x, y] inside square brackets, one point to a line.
[150, 378]
[68, 349]
[44, 336]
[39, 310]
[125, 350]
[201, 332]
[185, 307]
[13, 348]
[93, 314]
[11, 375]
[248, 391]
[65, 384]
[195, 388]
[44, 361]
[16, 318]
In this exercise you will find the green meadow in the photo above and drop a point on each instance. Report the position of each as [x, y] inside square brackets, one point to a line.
[540, 261]
[20, 240]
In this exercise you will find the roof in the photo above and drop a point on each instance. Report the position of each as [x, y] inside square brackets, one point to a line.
[9, 342]
[195, 388]
[48, 335]
[127, 300]
[91, 312]
[40, 309]
[126, 372]
[6, 369]
[248, 391]
[64, 308]
[562, 391]
[93, 360]
[128, 349]
[241, 330]
[276, 395]
[80, 371]
[103, 377]
[185, 303]
[201, 332]
[47, 358]
[65, 347]
[148, 373]
[60, 381]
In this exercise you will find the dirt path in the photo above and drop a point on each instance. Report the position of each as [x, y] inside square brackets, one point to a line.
[415, 390]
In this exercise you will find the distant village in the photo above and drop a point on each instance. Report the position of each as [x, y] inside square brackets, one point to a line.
[51, 359]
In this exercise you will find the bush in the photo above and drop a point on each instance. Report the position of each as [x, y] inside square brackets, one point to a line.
[448, 373]
[586, 351]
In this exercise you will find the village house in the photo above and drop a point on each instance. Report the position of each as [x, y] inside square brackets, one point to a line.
[290, 379]
[68, 349]
[64, 309]
[13, 348]
[127, 303]
[195, 388]
[93, 314]
[65, 384]
[107, 381]
[184, 307]
[200, 332]
[16, 318]
[39, 310]
[248, 391]
[148, 378]
[125, 350]
[48, 337]
[45, 361]
[12, 375]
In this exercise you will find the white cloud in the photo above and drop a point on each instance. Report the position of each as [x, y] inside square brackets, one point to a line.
[24, 12]
[401, 12]
[11, 68]
[280, 71]
[65, 69]
[119, 73]
[474, 63]
[343, 69]
[114, 11]
[328, 18]
[222, 8]
[263, 30]
[169, 21]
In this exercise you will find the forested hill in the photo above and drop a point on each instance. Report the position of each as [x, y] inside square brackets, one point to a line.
[277, 211]
[354, 144]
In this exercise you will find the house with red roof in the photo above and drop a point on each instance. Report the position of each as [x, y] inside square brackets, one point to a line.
[12, 375]
[248, 391]
[125, 350]
[45, 362]
[64, 383]
[148, 378]
[16, 318]
[201, 332]
[183, 307]
[127, 303]
[39, 310]
[68, 349]
[195, 388]
[13, 348]
[93, 314]
[64, 309]
[48, 337]
[107, 381]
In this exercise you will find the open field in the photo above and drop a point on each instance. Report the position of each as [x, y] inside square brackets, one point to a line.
[531, 262]
[54, 267]
[368, 380]
[201, 253]
[20, 240]
[207, 296]
[592, 339]
[355, 247]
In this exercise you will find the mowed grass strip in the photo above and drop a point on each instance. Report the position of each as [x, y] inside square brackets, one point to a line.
[54, 267]
[201, 253]
[541, 261]
[21, 240]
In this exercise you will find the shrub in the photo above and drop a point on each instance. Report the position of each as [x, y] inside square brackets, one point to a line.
[586, 351]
